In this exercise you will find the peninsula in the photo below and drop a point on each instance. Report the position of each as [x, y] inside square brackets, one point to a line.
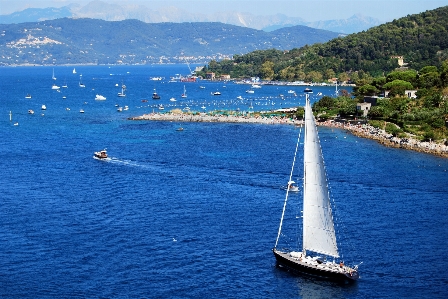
[360, 130]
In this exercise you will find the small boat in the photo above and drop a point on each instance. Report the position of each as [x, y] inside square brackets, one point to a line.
[122, 94]
[100, 97]
[216, 93]
[119, 109]
[318, 233]
[180, 129]
[291, 187]
[156, 78]
[250, 91]
[81, 111]
[64, 97]
[239, 97]
[319, 93]
[291, 91]
[202, 87]
[100, 155]
[256, 86]
[173, 100]
[308, 90]
[80, 82]
[126, 108]
[161, 107]
[44, 107]
[30, 111]
[155, 95]
[28, 96]
[55, 87]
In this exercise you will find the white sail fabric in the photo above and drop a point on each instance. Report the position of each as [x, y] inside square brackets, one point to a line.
[318, 228]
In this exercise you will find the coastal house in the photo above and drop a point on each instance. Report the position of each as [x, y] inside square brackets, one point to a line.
[409, 93]
[364, 107]
[371, 99]
[225, 77]
[210, 76]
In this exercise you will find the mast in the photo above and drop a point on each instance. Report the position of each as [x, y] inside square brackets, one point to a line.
[318, 227]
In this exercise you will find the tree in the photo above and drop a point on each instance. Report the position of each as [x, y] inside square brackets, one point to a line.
[397, 87]
[366, 90]
[267, 70]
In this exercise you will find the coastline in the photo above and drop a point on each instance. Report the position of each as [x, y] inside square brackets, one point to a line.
[364, 131]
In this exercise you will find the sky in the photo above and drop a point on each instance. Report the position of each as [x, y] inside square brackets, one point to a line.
[308, 10]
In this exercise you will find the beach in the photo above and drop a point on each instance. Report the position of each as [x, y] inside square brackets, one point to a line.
[360, 130]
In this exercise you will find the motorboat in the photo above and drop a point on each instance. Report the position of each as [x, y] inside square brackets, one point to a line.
[28, 96]
[44, 107]
[101, 154]
[216, 93]
[100, 97]
[55, 87]
[155, 95]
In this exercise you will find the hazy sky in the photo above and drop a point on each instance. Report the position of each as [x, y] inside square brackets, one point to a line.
[309, 10]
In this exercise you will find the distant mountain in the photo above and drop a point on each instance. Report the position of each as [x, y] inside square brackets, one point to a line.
[76, 41]
[356, 23]
[113, 12]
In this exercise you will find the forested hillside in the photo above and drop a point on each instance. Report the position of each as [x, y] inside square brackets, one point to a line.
[421, 39]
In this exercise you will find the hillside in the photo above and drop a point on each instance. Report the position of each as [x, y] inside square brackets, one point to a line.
[75, 41]
[421, 40]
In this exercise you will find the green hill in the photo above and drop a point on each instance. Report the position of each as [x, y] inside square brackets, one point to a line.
[421, 40]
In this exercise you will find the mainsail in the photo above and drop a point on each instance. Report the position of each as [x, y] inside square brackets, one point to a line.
[318, 228]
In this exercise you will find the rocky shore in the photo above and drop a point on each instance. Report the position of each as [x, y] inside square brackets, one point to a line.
[365, 131]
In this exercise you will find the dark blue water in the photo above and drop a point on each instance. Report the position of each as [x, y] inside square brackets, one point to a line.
[194, 214]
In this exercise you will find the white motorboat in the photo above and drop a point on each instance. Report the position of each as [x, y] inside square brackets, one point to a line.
[101, 154]
[100, 97]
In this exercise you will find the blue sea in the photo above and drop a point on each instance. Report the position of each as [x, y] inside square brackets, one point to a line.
[195, 214]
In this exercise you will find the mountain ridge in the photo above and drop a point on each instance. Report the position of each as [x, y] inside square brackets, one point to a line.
[76, 41]
[113, 12]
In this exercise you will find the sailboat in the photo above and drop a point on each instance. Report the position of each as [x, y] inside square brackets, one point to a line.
[122, 94]
[53, 77]
[319, 236]
[80, 81]
[74, 71]
[184, 95]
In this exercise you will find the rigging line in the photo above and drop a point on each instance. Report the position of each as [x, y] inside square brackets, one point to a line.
[287, 190]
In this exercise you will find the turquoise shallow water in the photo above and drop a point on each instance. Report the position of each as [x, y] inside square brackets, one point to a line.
[195, 213]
